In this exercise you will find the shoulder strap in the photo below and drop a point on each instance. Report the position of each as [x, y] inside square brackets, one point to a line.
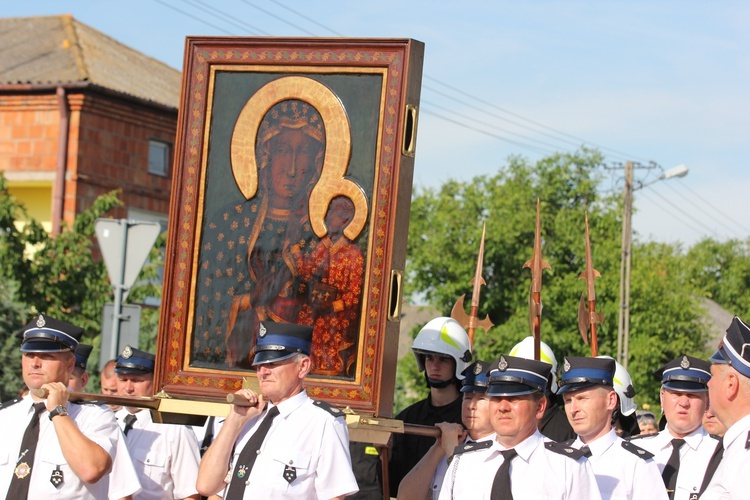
[637, 450]
[641, 436]
[329, 408]
[10, 403]
[564, 449]
[472, 446]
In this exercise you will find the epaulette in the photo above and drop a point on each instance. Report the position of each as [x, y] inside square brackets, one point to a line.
[470, 446]
[642, 436]
[564, 449]
[637, 450]
[10, 403]
[329, 408]
[569, 442]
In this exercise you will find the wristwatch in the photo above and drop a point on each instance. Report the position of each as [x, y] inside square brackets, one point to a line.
[60, 410]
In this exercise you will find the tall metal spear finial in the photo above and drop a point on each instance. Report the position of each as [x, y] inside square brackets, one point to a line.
[587, 315]
[471, 322]
[536, 264]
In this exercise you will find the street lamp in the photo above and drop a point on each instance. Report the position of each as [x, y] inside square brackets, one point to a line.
[623, 327]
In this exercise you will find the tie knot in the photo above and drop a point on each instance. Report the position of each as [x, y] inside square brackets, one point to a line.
[39, 407]
[272, 413]
[586, 451]
[130, 418]
[509, 454]
[676, 443]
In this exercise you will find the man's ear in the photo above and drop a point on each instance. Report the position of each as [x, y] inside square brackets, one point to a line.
[304, 367]
[541, 406]
[732, 384]
[612, 401]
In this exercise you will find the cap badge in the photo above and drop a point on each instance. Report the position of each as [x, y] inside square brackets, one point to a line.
[566, 365]
[502, 365]
[477, 369]
[685, 363]
[40, 321]
[127, 352]
[262, 330]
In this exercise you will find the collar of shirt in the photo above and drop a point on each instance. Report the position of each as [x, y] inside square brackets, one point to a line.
[524, 449]
[693, 440]
[142, 416]
[739, 429]
[599, 445]
[289, 405]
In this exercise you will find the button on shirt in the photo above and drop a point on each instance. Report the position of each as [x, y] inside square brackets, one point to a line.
[307, 438]
[536, 473]
[442, 468]
[695, 454]
[165, 456]
[732, 478]
[97, 424]
[622, 474]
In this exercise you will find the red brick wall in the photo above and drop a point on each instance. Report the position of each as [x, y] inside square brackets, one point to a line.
[107, 147]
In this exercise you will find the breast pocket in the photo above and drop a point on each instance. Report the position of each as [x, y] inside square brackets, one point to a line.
[293, 469]
[54, 476]
[151, 463]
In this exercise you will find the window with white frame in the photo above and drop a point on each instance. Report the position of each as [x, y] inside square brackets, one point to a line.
[158, 158]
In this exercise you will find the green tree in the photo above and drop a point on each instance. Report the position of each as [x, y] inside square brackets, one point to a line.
[721, 272]
[445, 228]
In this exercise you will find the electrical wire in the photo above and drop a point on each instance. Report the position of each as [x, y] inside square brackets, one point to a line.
[707, 203]
[485, 107]
[681, 218]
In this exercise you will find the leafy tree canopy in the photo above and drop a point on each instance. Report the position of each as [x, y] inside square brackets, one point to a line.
[444, 234]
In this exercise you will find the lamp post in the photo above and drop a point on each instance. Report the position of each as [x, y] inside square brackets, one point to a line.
[623, 327]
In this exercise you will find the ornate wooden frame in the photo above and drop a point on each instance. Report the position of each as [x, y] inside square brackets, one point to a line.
[367, 94]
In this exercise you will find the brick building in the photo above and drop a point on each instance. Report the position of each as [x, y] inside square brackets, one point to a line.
[81, 115]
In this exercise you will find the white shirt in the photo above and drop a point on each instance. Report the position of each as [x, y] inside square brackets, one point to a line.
[165, 456]
[123, 479]
[536, 473]
[442, 468]
[622, 474]
[732, 478]
[695, 454]
[97, 424]
[308, 438]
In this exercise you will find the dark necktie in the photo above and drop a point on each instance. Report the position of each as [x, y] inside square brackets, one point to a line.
[713, 464]
[129, 422]
[208, 437]
[669, 475]
[586, 451]
[501, 484]
[248, 455]
[19, 484]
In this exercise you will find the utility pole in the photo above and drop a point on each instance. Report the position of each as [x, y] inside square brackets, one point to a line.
[623, 325]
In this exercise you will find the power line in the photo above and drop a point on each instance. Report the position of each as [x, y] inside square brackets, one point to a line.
[494, 127]
[303, 30]
[714, 208]
[426, 87]
[707, 228]
[489, 134]
[226, 18]
[718, 221]
[307, 18]
[165, 4]
[617, 153]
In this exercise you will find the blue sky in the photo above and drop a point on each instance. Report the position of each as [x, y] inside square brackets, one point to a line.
[662, 81]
